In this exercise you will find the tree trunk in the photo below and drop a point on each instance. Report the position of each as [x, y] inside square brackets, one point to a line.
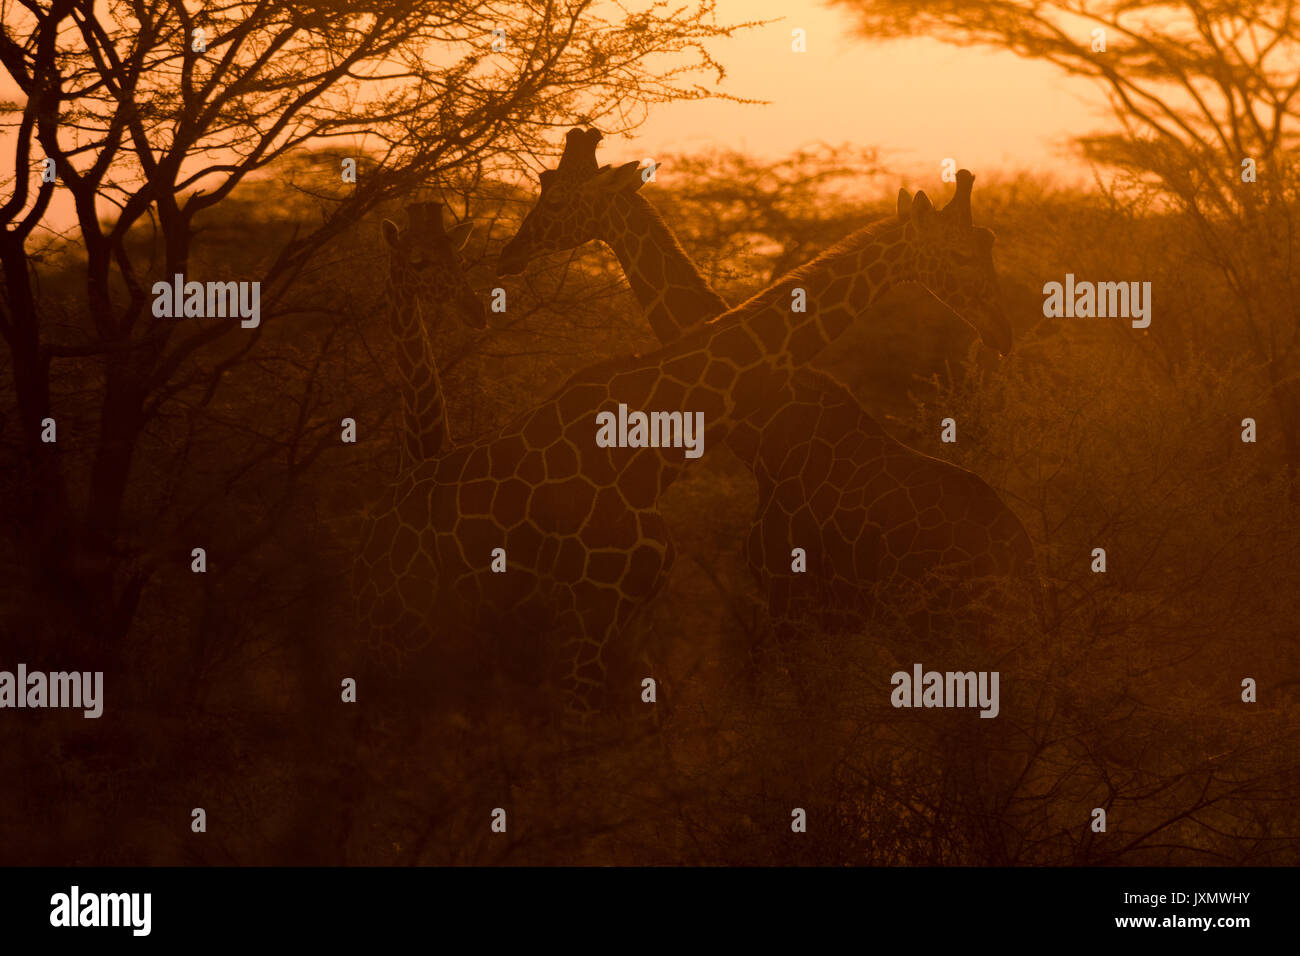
[49, 526]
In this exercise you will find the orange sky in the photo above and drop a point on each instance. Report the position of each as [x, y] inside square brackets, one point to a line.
[918, 100]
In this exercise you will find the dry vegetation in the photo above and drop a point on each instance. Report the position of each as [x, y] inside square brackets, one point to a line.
[1096, 434]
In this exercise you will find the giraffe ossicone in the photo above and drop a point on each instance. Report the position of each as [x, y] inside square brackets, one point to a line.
[582, 201]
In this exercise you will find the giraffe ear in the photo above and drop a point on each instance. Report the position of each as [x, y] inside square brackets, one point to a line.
[904, 202]
[389, 229]
[613, 179]
[458, 234]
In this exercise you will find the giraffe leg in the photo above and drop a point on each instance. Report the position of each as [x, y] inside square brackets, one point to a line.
[601, 663]
[578, 639]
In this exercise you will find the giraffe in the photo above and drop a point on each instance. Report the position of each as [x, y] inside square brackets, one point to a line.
[424, 267]
[812, 449]
[880, 523]
[582, 538]
[581, 201]
[426, 279]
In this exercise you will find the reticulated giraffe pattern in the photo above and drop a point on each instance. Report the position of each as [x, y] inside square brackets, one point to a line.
[926, 526]
[425, 276]
[582, 201]
[580, 525]
[879, 524]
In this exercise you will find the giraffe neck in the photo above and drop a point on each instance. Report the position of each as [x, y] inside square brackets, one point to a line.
[733, 366]
[673, 294]
[424, 433]
[768, 340]
[730, 368]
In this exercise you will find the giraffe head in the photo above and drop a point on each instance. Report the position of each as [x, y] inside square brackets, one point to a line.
[568, 211]
[954, 260]
[425, 259]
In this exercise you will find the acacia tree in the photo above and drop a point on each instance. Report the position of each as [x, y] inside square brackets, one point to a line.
[776, 213]
[150, 112]
[1205, 96]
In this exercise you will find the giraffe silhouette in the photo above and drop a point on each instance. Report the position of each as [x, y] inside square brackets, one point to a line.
[880, 524]
[426, 279]
[582, 201]
[579, 524]
[876, 519]
[425, 272]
